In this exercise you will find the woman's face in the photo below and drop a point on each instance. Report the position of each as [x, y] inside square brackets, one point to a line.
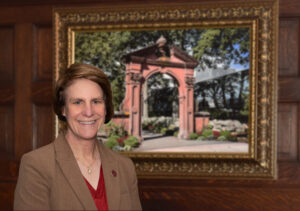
[84, 109]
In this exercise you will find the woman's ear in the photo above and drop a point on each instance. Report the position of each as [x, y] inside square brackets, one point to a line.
[63, 111]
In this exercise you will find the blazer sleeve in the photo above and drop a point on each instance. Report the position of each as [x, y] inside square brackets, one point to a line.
[135, 199]
[32, 190]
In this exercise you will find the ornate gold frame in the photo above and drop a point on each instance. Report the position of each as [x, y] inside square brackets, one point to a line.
[262, 19]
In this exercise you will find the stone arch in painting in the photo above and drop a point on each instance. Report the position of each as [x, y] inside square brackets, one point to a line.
[164, 59]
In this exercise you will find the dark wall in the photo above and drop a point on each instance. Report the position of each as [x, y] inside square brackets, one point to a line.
[27, 118]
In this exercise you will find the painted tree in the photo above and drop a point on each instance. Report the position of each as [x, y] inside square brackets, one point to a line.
[222, 47]
[211, 47]
[105, 50]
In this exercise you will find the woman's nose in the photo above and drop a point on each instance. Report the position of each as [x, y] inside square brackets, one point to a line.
[88, 110]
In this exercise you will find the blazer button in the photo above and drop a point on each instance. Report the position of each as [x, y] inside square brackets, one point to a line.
[114, 173]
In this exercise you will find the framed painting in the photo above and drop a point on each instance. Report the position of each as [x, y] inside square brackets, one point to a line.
[194, 84]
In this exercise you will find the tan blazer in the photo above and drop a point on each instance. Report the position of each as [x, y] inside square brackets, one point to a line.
[50, 179]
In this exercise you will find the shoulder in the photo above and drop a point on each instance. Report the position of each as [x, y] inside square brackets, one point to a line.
[39, 159]
[40, 154]
[35, 179]
[122, 160]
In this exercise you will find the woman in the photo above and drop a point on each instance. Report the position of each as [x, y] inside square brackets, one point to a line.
[76, 171]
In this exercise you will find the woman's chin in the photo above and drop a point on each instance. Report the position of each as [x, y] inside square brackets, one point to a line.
[83, 133]
[87, 136]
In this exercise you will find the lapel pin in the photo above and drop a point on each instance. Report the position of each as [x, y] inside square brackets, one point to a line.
[114, 173]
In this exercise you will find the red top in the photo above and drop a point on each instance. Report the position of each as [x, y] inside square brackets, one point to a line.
[99, 195]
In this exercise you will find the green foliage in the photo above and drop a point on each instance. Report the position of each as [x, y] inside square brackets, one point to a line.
[112, 129]
[229, 95]
[145, 126]
[164, 131]
[105, 50]
[232, 138]
[127, 148]
[117, 144]
[172, 127]
[219, 114]
[132, 141]
[221, 138]
[207, 133]
[159, 125]
[193, 136]
[113, 137]
[175, 133]
[201, 137]
[167, 132]
[245, 110]
[118, 91]
[112, 142]
[220, 44]
[226, 134]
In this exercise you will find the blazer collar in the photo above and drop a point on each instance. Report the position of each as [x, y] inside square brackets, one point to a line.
[70, 169]
[111, 177]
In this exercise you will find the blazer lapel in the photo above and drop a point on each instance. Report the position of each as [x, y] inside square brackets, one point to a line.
[71, 171]
[111, 177]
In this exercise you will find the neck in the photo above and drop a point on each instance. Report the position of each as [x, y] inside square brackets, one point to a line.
[84, 149]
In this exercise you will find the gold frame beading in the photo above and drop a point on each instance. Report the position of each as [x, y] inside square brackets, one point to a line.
[262, 19]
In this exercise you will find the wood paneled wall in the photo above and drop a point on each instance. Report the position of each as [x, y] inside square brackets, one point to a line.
[27, 118]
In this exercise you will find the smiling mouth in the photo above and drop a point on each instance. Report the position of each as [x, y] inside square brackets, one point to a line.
[87, 122]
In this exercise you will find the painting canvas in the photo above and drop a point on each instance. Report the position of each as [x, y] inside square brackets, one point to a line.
[220, 87]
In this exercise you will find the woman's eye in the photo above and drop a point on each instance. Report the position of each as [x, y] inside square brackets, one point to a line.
[98, 101]
[77, 102]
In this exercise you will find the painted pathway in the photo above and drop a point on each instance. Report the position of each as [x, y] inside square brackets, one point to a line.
[158, 143]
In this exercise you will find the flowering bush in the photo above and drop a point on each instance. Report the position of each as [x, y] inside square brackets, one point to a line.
[209, 134]
[112, 129]
[121, 140]
[156, 124]
[199, 133]
[193, 136]
[112, 142]
[175, 133]
[125, 143]
[132, 141]
[216, 133]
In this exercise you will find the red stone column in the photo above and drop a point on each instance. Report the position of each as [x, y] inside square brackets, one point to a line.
[125, 106]
[182, 107]
[189, 106]
[201, 121]
[186, 104]
[135, 105]
[131, 104]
